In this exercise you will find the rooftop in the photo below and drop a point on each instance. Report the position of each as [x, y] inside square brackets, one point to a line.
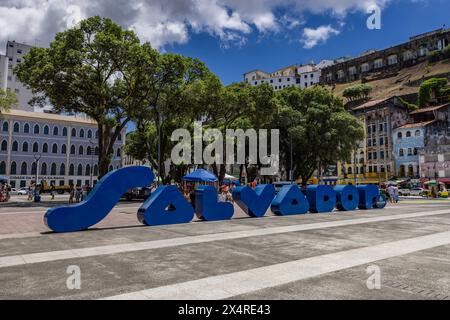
[371, 103]
[415, 125]
[47, 116]
[430, 109]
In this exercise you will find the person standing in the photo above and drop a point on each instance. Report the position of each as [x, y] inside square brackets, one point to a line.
[390, 192]
[71, 193]
[52, 191]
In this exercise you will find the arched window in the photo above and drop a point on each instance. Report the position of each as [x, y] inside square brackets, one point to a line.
[416, 151]
[408, 134]
[71, 170]
[36, 129]
[64, 132]
[89, 134]
[63, 149]
[88, 170]
[88, 151]
[16, 127]
[15, 146]
[44, 168]
[349, 170]
[417, 134]
[4, 145]
[401, 152]
[25, 147]
[46, 129]
[45, 148]
[74, 132]
[80, 150]
[96, 134]
[96, 151]
[62, 169]
[3, 167]
[34, 168]
[23, 168]
[399, 135]
[95, 170]
[55, 148]
[35, 147]
[81, 133]
[26, 128]
[53, 169]
[5, 126]
[72, 149]
[13, 168]
[118, 152]
[55, 130]
[80, 170]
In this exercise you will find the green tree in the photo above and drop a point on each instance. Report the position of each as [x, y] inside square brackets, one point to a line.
[323, 132]
[436, 86]
[8, 99]
[85, 69]
[357, 92]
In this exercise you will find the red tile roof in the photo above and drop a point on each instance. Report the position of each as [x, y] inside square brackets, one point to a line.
[429, 109]
[415, 125]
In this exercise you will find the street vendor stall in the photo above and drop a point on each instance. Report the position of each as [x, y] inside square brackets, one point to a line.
[195, 179]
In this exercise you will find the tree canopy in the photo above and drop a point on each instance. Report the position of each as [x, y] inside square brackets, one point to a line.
[357, 92]
[8, 99]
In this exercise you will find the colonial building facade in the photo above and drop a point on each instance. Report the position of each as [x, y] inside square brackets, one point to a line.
[58, 149]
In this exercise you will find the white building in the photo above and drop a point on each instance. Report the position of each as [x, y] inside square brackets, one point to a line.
[14, 55]
[302, 76]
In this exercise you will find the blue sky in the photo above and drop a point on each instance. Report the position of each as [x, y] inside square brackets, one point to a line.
[400, 20]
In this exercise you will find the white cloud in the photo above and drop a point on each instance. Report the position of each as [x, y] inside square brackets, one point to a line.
[313, 37]
[165, 22]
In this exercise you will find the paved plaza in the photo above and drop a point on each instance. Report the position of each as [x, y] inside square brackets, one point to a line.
[311, 256]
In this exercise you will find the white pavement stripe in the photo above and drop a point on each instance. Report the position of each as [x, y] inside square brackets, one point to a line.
[243, 282]
[7, 261]
[20, 235]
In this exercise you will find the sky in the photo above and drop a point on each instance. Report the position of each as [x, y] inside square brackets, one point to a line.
[235, 36]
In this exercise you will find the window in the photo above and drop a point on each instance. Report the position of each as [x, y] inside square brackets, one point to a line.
[95, 170]
[88, 170]
[34, 168]
[381, 141]
[63, 149]
[399, 135]
[369, 142]
[96, 151]
[13, 168]
[62, 169]
[417, 133]
[23, 168]
[392, 60]
[80, 170]
[410, 152]
[352, 71]
[416, 151]
[118, 152]
[375, 155]
[26, 128]
[74, 132]
[408, 134]
[64, 133]
[89, 133]
[55, 131]
[349, 170]
[55, 148]
[5, 126]
[53, 169]
[401, 153]
[45, 148]
[369, 129]
[72, 149]
[25, 147]
[44, 168]
[81, 133]
[407, 55]
[36, 129]
[80, 150]
[4, 145]
[3, 167]
[46, 130]
[71, 170]
[378, 63]
[16, 127]
[15, 146]
[35, 147]
[381, 154]
[365, 67]
[380, 127]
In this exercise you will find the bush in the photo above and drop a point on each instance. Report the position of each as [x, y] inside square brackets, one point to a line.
[356, 92]
[433, 56]
[446, 52]
[426, 89]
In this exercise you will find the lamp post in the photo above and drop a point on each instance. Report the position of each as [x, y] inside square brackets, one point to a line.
[92, 163]
[36, 160]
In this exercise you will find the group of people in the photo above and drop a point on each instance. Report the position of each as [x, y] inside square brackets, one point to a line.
[78, 193]
[4, 192]
[392, 193]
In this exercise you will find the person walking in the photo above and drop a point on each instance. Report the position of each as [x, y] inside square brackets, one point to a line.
[396, 196]
[71, 193]
[52, 191]
[390, 192]
[78, 194]
[30, 193]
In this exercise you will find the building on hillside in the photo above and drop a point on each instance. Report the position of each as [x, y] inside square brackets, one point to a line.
[8, 80]
[65, 146]
[388, 60]
[301, 76]
[434, 158]
[372, 160]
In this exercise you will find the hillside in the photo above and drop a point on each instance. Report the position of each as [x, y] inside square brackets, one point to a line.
[404, 82]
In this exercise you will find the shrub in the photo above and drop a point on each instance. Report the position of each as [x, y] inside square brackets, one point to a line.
[356, 92]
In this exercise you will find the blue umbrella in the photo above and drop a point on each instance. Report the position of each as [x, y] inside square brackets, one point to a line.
[200, 175]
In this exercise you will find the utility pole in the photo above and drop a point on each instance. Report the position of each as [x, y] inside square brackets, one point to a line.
[36, 160]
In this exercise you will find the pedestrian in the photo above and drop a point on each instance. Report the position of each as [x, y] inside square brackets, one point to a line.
[396, 197]
[30, 192]
[390, 192]
[52, 191]
[71, 193]
[78, 194]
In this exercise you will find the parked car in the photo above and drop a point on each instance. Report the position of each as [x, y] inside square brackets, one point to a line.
[22, 191]
[416, 192]
[404, 192]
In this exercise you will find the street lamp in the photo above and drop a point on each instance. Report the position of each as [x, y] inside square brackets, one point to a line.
[37, 157]
[92, 162]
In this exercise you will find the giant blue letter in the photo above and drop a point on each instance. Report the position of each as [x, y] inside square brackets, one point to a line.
[165, 206]
[347, 197]
[289, 201]
[321, 198]
[368, 195]
[100, 200]
[254, 202]
[208, 208]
